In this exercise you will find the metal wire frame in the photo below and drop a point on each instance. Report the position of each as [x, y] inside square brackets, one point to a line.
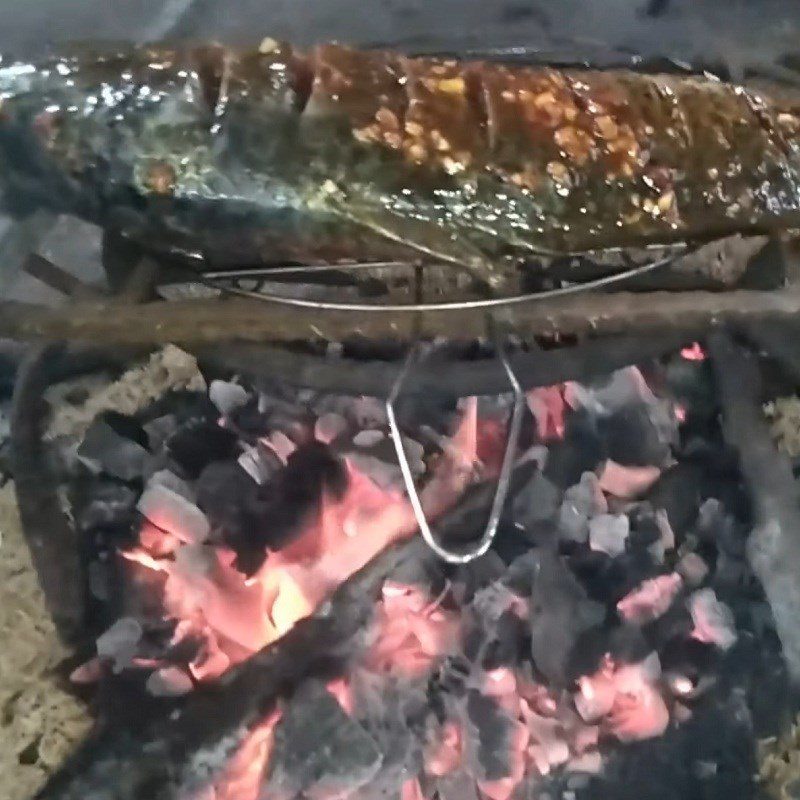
[216, 280]
[504, 477]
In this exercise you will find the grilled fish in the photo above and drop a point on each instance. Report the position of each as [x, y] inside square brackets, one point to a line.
[337, 153]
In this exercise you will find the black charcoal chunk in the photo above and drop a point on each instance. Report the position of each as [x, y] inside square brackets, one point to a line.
[560, 613]
[101, 503]
[159, 430]
[199, 443]
[488, 738]
[537, 501]
[115, 454]
[632, 439]
[229, 497]
[581, 450]
[319, 751]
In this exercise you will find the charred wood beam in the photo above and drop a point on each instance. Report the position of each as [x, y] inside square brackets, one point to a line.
[175, 754]
[453, 377]
[194, 322]
[774, 544]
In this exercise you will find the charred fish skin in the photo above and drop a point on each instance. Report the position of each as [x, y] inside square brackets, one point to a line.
[340, 153]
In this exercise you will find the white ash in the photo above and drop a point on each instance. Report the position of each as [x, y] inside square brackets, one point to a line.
[189, 290]
[784, 416]
[169, 480]
[120, 642]
[368, 438]
[174, 513]
[227, 396]
[169, 369]
[608, 533]
[169, 682]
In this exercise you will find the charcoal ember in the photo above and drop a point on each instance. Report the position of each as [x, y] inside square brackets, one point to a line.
[184, 405]
[626, 644]
[581, 450]
[560, 611]
[581, 502]
[329, 427]
[632, 438]
[457, 786]
[488, 738]
[319, 750]
[227, 396]
[679, 491]
[479, 574]
[259, 462]
[713, 620]
[115, 453]
[230, 499]
[509, 643]
[100, 580]
[693, 569]
[159, 430]
[102, 503]
[120, 642]
[249, 421]
[622, 389]
[169, 480]
[392, 715]
[709, 756]
[608, 533]
[169, 682]
[255, 518]
[644, 529]
[690, 666]
[174, 513]
[368, 438]
[279, 444]
[368, 412]
[373, 453]
[198, 443]
[537, 501]
[310, 470]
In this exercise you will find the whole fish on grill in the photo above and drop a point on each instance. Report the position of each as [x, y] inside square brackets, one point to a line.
[334, 153]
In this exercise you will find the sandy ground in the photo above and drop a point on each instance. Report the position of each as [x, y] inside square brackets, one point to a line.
[39, 722]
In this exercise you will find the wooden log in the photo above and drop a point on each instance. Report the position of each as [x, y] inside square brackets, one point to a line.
[773, 548]
[194, 322]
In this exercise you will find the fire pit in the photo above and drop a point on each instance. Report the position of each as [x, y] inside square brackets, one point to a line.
[264, 620]
[360, 531]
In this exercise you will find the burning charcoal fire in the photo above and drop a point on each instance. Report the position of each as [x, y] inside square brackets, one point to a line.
[535, 670]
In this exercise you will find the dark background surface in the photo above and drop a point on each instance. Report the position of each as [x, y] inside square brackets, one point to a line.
[732, 31]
